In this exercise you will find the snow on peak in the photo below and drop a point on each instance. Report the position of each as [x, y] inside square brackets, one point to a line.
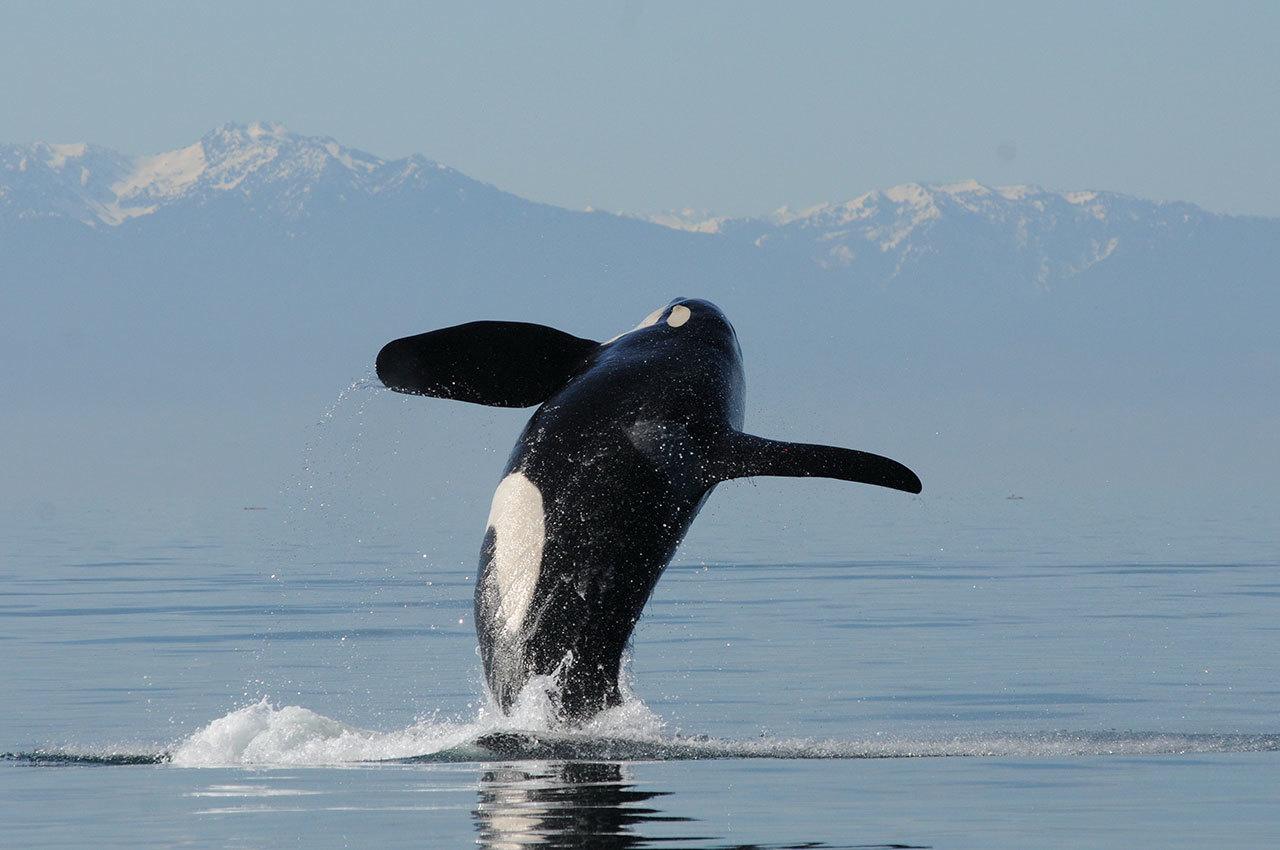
[905, 206]
[233, 133]
[1080, 197]
[1059, 233]
[164, 175]
[268, 152]
[909, 193]
[964, 187]
[259, 129]
[688, 219]
[264, 159]
[1017, 193]
[59, 154]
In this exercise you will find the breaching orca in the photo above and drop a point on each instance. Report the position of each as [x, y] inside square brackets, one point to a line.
[631, 437]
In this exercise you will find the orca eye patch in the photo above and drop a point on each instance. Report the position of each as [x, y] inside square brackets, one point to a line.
[651, 319]
[676, 318]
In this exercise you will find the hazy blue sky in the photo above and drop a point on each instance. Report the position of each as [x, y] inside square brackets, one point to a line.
[735, 107]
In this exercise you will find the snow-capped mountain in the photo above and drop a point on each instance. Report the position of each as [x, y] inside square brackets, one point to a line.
[1056, 235]
[289, 172]
[259, 269]
[276, 179]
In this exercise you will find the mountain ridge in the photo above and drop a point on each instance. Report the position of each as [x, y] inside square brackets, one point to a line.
[262, 152]
[257, 270]
[283, 180]
[113, 188]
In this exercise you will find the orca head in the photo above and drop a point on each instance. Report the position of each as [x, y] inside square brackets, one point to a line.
[691, 318]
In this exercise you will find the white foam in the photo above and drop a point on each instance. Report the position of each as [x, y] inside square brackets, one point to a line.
[262, 734]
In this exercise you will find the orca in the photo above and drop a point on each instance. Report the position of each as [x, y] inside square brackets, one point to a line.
[629, 439]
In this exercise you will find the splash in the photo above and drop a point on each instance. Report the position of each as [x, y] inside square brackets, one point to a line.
[264, 734]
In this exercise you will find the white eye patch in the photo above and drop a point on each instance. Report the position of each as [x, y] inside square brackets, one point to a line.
[651, 319]
[648, 321]
[679, 315]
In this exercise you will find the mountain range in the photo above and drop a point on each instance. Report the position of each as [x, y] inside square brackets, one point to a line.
[258, 269]
[283, 179]
[269, 169]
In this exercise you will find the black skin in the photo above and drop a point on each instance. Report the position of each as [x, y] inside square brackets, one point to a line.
[624, 451]
[620, 456]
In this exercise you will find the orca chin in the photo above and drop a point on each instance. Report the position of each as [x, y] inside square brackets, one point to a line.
[630, 437]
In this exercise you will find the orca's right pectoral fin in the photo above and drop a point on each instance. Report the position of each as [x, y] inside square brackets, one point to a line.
[747, 456]
[501, 364]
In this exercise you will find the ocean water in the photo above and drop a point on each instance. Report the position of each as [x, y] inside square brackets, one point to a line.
[962, 669]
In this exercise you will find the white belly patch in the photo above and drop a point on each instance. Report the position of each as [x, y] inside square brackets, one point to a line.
[517, 521]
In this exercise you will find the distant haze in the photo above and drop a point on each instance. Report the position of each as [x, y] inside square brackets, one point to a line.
[177, 325]
[738, 108]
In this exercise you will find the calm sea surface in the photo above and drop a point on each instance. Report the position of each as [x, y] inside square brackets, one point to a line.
[997, 672]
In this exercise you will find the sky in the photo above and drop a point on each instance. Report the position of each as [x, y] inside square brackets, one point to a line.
[736, 108]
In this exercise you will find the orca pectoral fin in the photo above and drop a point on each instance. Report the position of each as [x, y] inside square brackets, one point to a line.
[747, 456]
[501, 364]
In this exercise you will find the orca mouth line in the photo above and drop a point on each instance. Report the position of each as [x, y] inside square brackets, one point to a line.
[512, 746]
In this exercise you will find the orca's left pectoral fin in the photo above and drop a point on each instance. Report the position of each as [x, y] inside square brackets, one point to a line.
[501, 364]
[747, 456]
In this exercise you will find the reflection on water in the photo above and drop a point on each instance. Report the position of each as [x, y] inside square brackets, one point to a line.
[572, 804]
[585, 805]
